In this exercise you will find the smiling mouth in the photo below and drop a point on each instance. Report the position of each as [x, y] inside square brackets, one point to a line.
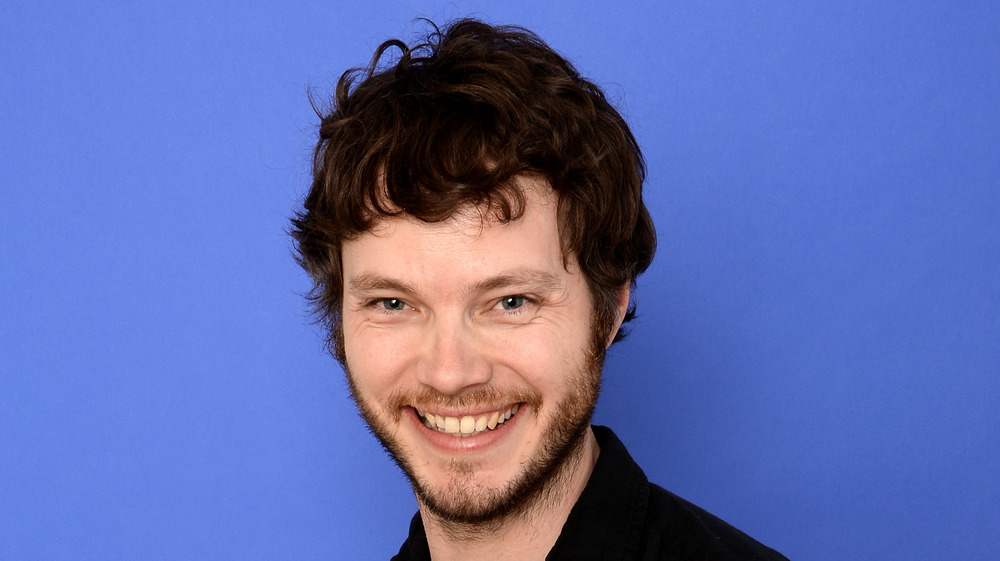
[468, 425]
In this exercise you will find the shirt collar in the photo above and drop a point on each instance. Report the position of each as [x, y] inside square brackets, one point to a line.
[608, 518]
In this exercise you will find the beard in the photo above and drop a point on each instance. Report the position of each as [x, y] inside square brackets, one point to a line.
[463, 502]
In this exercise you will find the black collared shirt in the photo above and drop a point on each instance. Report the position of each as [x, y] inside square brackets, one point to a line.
[622, 516]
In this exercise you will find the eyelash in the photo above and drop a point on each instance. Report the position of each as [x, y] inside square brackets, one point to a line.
[380, 304]
[526, 303]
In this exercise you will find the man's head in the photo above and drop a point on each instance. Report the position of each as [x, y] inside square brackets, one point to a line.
[474, 228]
[451, 125]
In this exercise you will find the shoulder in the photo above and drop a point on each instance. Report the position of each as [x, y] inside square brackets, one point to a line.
[621, 515]
[678, 530]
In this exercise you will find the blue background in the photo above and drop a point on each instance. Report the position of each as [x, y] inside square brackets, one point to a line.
[818, 350]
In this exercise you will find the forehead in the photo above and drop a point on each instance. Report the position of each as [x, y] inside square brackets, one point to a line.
[469, 245]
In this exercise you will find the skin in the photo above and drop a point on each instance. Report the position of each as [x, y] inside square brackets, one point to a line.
[468, 317]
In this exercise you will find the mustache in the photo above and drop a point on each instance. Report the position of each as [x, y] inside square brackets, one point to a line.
[487, 397]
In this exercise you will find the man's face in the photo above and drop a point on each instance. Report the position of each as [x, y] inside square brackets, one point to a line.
[469, 349]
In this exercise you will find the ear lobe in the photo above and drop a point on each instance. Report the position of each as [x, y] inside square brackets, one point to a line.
[622, 296]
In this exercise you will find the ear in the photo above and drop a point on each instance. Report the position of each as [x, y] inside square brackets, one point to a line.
[622, 297]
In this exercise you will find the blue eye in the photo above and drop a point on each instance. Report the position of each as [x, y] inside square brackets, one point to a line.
[511, 302]
[393, 304]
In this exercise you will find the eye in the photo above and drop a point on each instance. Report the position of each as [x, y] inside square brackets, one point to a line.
[393, 304]
[511, 302]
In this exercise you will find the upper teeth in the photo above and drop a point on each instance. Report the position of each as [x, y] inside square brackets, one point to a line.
[467, 425]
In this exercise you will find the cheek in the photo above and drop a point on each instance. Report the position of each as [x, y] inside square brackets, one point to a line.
[376, 359]
[560, 339]
[545, 358]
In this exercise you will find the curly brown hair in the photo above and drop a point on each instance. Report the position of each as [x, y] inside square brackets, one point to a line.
[451, 124]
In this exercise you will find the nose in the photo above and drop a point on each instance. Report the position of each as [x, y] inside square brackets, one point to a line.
[453, 357]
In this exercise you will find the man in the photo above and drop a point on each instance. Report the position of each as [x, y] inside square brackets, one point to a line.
[474, 229]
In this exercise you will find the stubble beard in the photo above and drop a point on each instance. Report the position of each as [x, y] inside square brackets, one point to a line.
[467, 507]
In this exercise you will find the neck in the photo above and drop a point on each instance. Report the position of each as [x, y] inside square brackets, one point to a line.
[525, 536]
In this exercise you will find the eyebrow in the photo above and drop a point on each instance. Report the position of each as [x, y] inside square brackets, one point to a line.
[368, 282]
[532, 279]
[542, 281]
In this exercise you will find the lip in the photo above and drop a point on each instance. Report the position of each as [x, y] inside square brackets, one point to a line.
[464, 445]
